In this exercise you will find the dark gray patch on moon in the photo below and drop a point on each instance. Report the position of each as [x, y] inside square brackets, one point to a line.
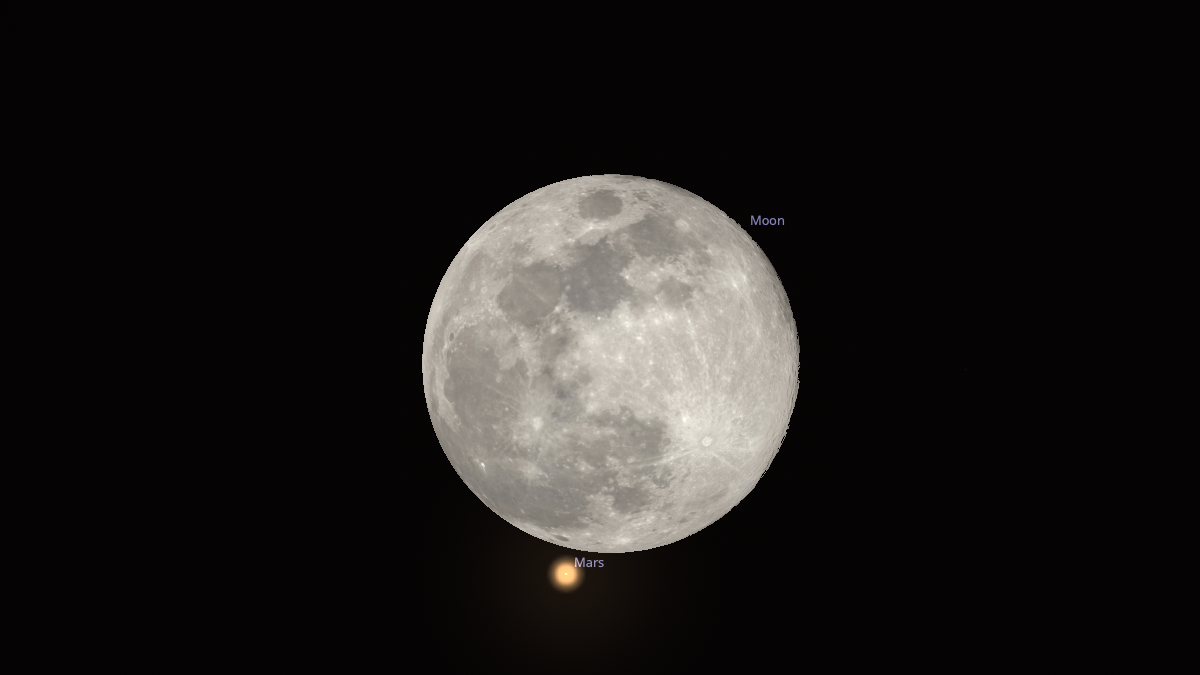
[629, 438]
[561, 538]
[600, 205]
[561, 507]
[483, 394]
[631, 499]
[656, 236]
[673, 292]
[532, 294]
[594, 284]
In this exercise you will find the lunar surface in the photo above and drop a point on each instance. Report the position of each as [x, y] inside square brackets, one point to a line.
[610, 364]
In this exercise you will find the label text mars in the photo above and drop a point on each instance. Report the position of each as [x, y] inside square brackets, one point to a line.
[584, 562]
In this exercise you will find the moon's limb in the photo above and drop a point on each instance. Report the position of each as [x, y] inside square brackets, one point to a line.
[610, 362]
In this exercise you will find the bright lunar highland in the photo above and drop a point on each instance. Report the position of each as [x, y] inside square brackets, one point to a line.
[610, 363]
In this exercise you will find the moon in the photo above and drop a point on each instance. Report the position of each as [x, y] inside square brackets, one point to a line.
[610, 363]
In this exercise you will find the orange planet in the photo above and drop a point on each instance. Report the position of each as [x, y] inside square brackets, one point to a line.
[564, 575]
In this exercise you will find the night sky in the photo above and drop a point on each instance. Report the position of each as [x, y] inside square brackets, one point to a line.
[360, 524]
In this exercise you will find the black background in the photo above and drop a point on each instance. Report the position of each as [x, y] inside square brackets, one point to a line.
[313, 258]
[360, 525]
[243, 243]
[264, 237]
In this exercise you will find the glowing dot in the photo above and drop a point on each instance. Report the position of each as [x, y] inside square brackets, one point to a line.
[564, 576]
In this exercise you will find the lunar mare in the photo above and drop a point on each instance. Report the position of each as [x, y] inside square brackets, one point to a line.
[610, 363]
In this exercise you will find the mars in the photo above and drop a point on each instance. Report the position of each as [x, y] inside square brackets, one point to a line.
[610, 363]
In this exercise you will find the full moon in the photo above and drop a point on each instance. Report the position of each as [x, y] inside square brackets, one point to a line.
[610, 363]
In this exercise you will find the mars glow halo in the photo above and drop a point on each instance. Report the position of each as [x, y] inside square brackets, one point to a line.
[610, 363]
